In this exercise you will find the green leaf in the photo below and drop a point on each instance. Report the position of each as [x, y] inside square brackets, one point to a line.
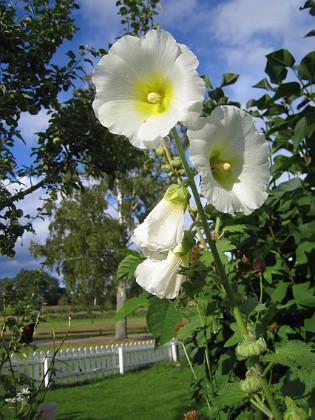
[310, 33]
[187, 330]
[263, 84]
[248, 306]
[281, 57]
[162, 318]
[309, 324]
[132, 305]
[303, 294]
[230, 395]
[306, 69]
[303, 249]
[279, 293]
[299, 132]
[288, 186]
[293, 354]
[236, 338]
[287, 89]
[240, 228]
[207, 81]
[229, 79]
[128, 266]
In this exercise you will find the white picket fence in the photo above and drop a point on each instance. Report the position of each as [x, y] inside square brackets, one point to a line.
[78, 365]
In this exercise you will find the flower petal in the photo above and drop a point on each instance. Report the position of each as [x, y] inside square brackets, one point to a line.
[145, 86]
[231, 157]
[162, 229]
[160, 277]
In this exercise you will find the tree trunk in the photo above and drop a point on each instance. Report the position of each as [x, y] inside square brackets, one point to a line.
[121, 326]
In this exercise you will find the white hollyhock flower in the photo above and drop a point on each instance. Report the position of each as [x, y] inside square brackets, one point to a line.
[231, 157]
[161, 278]
[163, 228]
[145, 86]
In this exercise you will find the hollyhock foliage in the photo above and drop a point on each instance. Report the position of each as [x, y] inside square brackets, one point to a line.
[163, 228]
[231, 157]
[145, 86]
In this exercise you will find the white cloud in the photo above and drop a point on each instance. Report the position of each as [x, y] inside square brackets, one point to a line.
[99, 22]
[31, 124]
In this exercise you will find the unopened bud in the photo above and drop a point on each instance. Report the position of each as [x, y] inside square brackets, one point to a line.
[259, 264]
[248, 349]
[251, 384]
[160, 151]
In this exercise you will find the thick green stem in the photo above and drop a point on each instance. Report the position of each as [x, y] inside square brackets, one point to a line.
[221, 271]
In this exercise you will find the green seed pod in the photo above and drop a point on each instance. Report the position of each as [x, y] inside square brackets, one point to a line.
[251, 384]
[248, 349]
[177, 163]
[160, 151]
[166, 168]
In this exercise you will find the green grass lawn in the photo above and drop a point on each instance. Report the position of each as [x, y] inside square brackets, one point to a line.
[160, 392]
[99, 325]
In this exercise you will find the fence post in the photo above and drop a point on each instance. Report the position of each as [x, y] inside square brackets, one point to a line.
[174, 352]
[121, 360]
[46, 373]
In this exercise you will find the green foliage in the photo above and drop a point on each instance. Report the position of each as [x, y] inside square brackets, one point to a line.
[162, 318]
[82, 244]
[128, 265]
[30, 81]
[268, 259]
[137, 16]
[30, 288]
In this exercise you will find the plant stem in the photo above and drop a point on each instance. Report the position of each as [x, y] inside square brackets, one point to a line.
[221, 271]
[194, 373]
[228, 289]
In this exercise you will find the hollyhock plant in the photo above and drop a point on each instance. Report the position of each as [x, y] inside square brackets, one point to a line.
[231, 157]
[145, 86]
[163, 228]
[161, 278]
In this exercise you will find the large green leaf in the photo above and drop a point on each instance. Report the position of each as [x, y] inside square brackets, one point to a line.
[128, 266]
[306, 69]
[132, 305]
[281, 57]
[287, 89]
[229, 79]
[292, 353]
[230, 395]
[162, 318]
[303, 294]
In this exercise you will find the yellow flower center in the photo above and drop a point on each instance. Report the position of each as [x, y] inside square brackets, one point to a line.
[223, 167]
[152, 95]
[221, 171]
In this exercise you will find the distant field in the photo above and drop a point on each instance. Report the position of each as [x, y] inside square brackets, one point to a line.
[85, 332]
[88, 327]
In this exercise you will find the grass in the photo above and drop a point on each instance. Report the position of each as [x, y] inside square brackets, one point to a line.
[158, 392]
[88, 326]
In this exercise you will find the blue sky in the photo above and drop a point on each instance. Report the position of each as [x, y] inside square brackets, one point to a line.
[226, 36]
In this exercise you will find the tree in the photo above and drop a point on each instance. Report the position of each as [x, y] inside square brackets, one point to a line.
[30, 81]
[82, 243]
[36, 285]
